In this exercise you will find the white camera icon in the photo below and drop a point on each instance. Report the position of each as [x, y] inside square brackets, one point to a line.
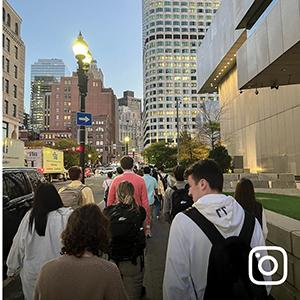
[263, 258]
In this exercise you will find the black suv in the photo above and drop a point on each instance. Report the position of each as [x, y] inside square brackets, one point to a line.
[19, 185]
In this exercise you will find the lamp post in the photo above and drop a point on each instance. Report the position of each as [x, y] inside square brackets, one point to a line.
[126, 139]
[84, 58]
[133, 153]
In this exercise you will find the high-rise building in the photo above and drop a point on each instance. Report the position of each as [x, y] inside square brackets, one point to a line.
[13, 61]
[172, 31]
[44, 72]
[40, 103]
[48, 67]
[130, 121]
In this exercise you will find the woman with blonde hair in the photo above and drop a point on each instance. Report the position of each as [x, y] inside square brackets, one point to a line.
[128, 239]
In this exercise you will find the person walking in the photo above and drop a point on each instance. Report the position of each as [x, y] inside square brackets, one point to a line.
[80, 273]
[245, 196]
[38, 237]
[76, 194]
[209, 244]
[140, 190]
[176, 197]
[151, 185]
[106, 184]
[128, 239]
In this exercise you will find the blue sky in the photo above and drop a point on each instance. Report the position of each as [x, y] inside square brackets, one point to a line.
[113, 30]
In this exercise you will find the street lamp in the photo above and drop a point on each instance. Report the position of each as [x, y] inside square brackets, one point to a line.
[126, 139]
[84, 58]
[133, 153]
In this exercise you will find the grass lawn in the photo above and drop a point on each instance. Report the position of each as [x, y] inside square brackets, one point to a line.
[282, 204]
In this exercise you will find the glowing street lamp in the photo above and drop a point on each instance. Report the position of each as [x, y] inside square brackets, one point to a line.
[126, 139]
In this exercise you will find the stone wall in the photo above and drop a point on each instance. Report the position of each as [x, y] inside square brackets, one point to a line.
[285, 232]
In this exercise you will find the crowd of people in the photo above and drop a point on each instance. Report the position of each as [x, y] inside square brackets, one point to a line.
[67, 248]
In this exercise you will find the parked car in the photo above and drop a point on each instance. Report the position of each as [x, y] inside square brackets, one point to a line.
[103, 170]
[19, 185]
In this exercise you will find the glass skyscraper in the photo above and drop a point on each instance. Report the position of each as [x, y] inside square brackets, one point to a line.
[48, 67]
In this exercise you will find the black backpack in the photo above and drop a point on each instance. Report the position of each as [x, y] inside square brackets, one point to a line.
[164, 180]
[227, 274]
[180, 200]
[127, 232]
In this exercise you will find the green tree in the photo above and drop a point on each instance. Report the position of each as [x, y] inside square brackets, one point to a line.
[191, 149]
[221, 156]
[159, 154]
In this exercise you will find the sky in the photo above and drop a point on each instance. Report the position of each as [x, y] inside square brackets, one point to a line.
[112, 29]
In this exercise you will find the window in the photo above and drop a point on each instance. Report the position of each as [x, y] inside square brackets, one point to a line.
[3, 15]
[7, 65]
[16, 185]
[16, 28]
[6, 86]
[8, 20]
[6, 106]
[15, 91]
[4, 129]
[8, 44]
[16, 71]
[3, 40]
[16, 52]
[14, 110]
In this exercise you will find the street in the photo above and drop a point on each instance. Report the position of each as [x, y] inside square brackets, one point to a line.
[154, 258]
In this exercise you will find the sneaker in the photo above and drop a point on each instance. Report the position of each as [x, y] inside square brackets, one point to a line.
[149, 236]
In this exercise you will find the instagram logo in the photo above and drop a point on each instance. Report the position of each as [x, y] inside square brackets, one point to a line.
[270, 260]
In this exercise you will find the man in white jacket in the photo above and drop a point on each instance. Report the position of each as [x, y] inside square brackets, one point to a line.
[188, 247]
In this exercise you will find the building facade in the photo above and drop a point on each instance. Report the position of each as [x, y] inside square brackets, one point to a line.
[172, 31]
[253, 59]
[40, 103]
[130, 121]
[13, 63]
[100, 102]
[52, 67]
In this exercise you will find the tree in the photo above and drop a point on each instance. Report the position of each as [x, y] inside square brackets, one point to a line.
[208, 123]
[191, 149]
[159, 154]
[221, 156]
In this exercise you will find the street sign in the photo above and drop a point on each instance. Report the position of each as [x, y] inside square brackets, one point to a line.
[83, 119]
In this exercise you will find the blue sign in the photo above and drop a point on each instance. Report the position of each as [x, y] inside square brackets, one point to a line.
[83, 119]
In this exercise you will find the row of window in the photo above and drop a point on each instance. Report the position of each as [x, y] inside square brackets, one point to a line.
[175, 23]
[177, 16]
[6, 87]
[6, 45]
[6, 108]
[171, 44]
[153, 52]
[174, 29]
[184, 3]
[171, 84]
[6, 19]
[180, 10]
[6, 66]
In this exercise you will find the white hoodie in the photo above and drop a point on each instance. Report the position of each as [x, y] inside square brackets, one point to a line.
[189, 248]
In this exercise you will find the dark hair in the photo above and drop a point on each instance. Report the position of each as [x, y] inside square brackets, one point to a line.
[46, 199]
[245, 195]
[209, 170]
[126, 162]
[74, 172]
[178, 172]
[140, 172]
[109, 174]
[154, 174]
[147, 170]
[119, 170]
[87, 230]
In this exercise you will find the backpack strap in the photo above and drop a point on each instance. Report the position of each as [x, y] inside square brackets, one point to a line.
[205, 225]
[174, 188]
[248, 228]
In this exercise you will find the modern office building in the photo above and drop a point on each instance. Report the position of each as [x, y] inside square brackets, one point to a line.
[13, 62]
[130, 121]
[252, 55]
[48, 67]
[172, 31]
[40, 103]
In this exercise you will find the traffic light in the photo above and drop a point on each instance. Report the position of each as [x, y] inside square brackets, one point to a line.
[79, 148]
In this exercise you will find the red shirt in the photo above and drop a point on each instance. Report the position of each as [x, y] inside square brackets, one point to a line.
[140, 191]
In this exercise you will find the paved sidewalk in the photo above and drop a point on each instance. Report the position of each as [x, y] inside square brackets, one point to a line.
[155, 260]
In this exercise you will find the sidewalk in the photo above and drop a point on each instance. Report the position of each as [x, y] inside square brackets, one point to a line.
[155, 260]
